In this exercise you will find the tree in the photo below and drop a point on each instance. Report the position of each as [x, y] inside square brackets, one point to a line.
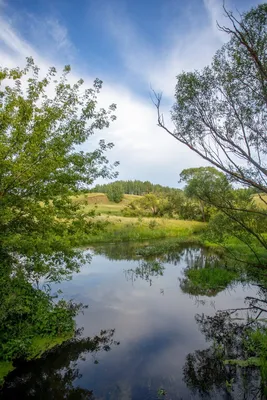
[233, 212]
[220, 112]
[43, 122]
[41, 165]
[199, 181]
[115, 192]
[148, 205]
[134, 187]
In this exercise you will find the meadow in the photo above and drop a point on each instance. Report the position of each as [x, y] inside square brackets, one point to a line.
[114, 227]
[99, 203]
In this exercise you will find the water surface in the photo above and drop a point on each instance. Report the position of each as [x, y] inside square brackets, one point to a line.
[142, 330]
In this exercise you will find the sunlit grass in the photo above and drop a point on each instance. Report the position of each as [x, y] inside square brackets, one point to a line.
[130, 228]
[211, 278]
[5, 368]
[260, 201]
[100, 203]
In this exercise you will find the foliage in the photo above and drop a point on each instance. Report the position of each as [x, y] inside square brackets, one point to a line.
[53, 376]
[161, 392]
[43, 122]
[217, 369]
[148, 205]
[207, 281]
[146, 270]
[115, 192]
[5, 368]
[220, 113]
[119, 229]
[206, 273]
[198, 181]
[40, 164]
[172, 204]
[233, 212]
[135, 187]
[30, 319]
[166, 246]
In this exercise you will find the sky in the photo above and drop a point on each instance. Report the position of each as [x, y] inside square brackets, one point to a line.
[132, 46]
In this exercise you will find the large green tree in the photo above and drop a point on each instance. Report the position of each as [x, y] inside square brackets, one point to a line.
[220, 112]
[43, 123]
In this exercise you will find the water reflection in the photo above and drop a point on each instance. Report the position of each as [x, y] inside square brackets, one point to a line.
[209, 374]
[233, 367]
[55, 376]
[172, 341]
[146, 270]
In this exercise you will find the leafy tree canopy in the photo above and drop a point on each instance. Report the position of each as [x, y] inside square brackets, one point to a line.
[43, 122]
[220, 112]
[115, 192]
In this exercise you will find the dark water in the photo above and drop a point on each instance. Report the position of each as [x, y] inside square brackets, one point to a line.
[143, 336]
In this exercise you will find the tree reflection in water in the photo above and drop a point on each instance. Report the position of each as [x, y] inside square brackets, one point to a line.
[206, 373]
[229, 368]
[233, 367]
[146, 270]
[53, 376]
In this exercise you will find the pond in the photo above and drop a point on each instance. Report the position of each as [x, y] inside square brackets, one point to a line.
[142, 336]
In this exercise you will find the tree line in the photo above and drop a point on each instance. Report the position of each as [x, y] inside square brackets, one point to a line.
[136, 187]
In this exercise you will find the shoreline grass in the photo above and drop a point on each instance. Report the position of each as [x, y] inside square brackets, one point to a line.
[123, 229]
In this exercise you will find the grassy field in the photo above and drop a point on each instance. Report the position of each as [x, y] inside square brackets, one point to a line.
[100, 203]
[116, 228]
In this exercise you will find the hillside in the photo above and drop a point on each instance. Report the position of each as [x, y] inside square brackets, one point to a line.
[100, 202]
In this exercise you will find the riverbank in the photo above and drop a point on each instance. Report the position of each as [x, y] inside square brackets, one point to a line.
[123, 229]
[38, 347]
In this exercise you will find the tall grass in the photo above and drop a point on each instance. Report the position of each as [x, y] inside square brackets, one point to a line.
[126, 229]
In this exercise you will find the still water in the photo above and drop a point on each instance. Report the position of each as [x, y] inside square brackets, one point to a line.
[139, 338]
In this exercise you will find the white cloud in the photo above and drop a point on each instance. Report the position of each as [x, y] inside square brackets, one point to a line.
[144, 150]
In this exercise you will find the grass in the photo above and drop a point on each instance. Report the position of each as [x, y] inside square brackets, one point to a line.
[101, 204]
[207, 281]
[39, 346]
[117, 228]
[5, 368]
[237, 250]
[213, 277]
[129, 228]
[260, 201]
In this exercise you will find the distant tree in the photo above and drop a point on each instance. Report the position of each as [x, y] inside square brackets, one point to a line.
[150, 202]
[148, 205]
[135, 187]
[115, 192]
[199, 181]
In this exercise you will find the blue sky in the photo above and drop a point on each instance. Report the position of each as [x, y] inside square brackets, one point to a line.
[131, 46]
